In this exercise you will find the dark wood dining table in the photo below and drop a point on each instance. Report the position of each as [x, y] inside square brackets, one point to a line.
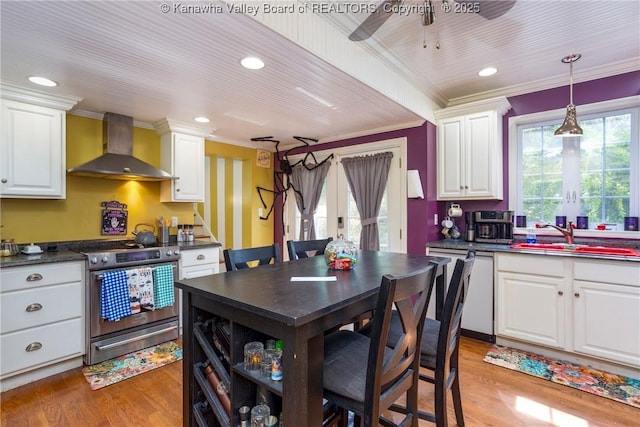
[265, 299]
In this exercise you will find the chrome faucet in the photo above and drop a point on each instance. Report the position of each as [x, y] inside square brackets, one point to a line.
[567, 233]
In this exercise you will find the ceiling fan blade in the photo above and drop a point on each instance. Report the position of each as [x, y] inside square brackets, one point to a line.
[374, 21]
[491, 9]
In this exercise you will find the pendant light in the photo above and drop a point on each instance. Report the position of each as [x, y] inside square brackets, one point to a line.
[570, 125]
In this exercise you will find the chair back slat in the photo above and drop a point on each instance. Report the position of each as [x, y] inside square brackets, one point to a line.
[237, 259]
[301, 248]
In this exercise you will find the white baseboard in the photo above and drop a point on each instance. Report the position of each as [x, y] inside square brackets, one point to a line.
[39, 373]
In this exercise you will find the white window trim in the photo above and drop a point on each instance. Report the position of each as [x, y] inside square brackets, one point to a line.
[558, 114]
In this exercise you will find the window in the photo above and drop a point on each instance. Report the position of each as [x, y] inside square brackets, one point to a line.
[594, 175]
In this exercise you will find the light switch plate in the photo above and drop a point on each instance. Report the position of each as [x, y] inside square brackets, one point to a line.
[174, 221]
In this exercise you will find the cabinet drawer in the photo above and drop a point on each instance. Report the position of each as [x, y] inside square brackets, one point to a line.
[19, 278]
[194, 257]
[58, 341]
[32, 307]
[621, 273]
[542, 265]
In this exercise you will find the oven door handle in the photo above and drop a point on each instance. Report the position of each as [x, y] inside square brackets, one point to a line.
[101, 276]
[127, 341]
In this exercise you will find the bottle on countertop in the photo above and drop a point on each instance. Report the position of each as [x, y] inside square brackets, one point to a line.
[531, 235]
[180, 237]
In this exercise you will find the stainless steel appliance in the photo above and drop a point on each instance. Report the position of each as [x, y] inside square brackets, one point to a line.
[494, 227]
[108, 339]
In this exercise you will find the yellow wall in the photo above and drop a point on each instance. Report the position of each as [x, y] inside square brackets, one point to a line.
[255, 232]
[78, 216]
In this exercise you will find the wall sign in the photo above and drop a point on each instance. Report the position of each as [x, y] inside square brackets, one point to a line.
[114, 218]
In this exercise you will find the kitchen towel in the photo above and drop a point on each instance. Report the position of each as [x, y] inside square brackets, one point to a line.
[114, 296]
[163, 286]
[134, 290]
[145, 287]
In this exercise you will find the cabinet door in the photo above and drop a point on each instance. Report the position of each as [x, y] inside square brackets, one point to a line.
[480, 155]
[607, 321]
[450, 153]
[187, 163]
[32, 151]
[531, 308]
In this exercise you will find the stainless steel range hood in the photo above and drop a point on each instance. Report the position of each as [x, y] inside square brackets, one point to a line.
[118, 162]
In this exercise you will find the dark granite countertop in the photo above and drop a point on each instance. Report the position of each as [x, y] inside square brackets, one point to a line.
[456, 244]
[60, 252]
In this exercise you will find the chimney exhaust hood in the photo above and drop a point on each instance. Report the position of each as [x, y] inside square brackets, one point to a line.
[118, 162]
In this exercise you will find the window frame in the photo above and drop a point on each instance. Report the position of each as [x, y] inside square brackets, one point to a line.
[584, 112]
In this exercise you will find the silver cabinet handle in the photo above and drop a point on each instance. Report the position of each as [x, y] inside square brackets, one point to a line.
[560, 293]
[34, 346]
[4, 180]
[34, 277]
[577, 295]
[200, 257]
[574, 196]
[568, 196]
[34, 307]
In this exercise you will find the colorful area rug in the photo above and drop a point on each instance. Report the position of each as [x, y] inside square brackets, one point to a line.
[121, 368]
[612, 386]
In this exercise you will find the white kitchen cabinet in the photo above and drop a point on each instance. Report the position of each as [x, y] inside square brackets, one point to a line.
[182, 155]
[469, 150]
[606, 310]
[32, 145]
[581, 306]
[42, 319]
[531, 301]
[199, 261]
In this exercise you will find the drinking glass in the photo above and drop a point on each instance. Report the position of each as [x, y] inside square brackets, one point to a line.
[253, 352]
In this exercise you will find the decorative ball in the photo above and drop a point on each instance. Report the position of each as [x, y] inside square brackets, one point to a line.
[341, 254]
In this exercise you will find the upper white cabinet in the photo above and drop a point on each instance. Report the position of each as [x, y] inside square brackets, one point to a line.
[469, 150]
[182, 155]
[32, 146]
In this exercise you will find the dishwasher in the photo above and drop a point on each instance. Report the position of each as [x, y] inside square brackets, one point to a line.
[477, 318]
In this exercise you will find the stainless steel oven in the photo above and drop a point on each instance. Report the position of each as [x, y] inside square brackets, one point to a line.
[107, 339]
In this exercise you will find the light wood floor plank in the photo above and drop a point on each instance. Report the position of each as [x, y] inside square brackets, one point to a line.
[492, 396]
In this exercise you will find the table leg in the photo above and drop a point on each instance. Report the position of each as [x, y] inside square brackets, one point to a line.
[302, 380]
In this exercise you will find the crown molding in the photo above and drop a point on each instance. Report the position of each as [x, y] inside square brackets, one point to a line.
[17, 93]
[595, 73]
[167, 125]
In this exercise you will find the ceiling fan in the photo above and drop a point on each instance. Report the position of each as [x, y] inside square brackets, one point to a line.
[488, 9]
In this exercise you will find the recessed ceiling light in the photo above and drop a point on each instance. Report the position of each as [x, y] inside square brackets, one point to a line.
[201, 119]
[42, 81]
[489, 71]
[252, 63]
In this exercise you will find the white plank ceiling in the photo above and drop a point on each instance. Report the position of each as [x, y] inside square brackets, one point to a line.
[131, 58]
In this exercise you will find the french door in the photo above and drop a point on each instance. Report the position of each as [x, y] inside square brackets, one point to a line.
[337, 213]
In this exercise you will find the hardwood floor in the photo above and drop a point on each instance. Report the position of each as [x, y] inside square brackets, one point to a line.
[492, 396]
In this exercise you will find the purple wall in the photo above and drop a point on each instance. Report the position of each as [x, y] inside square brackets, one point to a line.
[421, 152]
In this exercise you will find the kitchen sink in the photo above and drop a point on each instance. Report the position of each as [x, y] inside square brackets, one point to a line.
[585, 249]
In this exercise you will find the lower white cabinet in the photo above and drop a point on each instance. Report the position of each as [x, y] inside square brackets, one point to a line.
[606, 310]
[583, 306]
[42, 316]
[199, 261]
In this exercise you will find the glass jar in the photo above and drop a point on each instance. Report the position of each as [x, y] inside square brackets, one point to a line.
[341, 254]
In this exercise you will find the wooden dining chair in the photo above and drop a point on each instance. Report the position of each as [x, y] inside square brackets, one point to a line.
[440, 346]
[237, 259]
[362, 374]
[301, 248]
